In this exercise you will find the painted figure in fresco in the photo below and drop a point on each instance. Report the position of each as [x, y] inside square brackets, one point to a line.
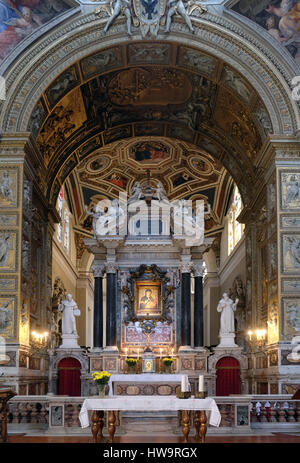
[120, 6]
[69, 310]
[4, 250]
[177, 6]
[148, 301]
[5, 187]
[5, 316]
[227, 308]
[288, 27]
[292, 190]
[18, 18]
[237, 84]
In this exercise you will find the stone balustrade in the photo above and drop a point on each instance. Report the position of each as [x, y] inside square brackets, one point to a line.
[274, 409]
[238, 413]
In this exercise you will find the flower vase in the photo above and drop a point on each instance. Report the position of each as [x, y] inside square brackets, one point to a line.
[168, 369]
[131, 370]
[101, 390]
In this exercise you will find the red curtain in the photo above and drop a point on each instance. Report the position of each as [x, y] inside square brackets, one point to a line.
[228, 376]
[69, 377]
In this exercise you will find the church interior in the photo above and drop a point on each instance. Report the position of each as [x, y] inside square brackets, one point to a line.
[149, 220]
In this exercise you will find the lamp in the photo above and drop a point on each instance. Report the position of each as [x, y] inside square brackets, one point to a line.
[257, 339]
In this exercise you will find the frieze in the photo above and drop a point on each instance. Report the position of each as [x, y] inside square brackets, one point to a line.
[291, 285]
[289, 221]
[8, 283]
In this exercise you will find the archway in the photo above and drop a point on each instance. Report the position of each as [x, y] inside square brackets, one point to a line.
[228, 376]
[225, 69]
[69, 377]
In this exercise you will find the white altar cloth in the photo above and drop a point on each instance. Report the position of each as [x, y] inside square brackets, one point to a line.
[149, 403]
[145, 378]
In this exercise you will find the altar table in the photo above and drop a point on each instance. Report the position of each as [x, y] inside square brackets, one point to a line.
[144, 378]
[149, 403]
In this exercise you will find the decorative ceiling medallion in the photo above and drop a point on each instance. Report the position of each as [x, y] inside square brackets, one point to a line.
[98, 165]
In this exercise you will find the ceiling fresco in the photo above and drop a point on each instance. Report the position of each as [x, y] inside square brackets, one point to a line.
[117, 95]
[184, 171]
[281, 18]
[19, 18]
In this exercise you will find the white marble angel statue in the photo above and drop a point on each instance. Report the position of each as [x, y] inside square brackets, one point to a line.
[135, 193]
[227, 308]
[177, 6]
[69, 310]
[96, 214]
[118, 7]
[160, 193]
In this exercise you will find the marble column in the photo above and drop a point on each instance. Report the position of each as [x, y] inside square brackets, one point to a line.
[111, 305]
[198, 306]
[185, 312]
[98, 270]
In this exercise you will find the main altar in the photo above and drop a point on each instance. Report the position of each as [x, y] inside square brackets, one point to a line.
[148, 296]
[147, 261]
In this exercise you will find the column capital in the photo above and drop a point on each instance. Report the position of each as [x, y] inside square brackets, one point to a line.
[198, 269]
[186, 267]
[98, 270]
[111, 267]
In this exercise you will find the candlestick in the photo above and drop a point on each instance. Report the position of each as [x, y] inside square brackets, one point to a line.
[201, 383]
[183, 384]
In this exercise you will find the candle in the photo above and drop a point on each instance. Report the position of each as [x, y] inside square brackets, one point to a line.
[160, 352]
[138, 353]
[201, 383]
[172, 351]
[126, 349]
[183, 384]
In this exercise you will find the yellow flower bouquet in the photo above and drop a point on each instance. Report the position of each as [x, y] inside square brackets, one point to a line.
[168, 361]
[101, 377]
[131, 362]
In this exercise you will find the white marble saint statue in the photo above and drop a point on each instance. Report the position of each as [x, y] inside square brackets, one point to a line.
[69, 310]
[227, 308]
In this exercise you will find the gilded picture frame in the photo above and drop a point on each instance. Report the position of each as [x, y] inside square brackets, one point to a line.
[148, 300]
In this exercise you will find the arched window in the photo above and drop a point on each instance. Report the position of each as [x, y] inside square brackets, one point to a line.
[235, 229]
